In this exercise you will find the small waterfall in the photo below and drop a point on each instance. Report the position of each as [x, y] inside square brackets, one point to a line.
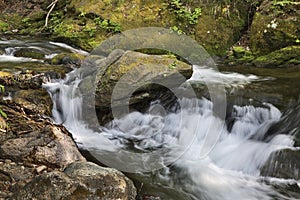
[230, 171]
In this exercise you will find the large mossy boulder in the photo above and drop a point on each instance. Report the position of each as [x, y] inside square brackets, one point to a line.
[124, 71]
[128, 79]
[275, 26]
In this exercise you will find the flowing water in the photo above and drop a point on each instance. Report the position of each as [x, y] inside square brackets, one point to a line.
[232, 170]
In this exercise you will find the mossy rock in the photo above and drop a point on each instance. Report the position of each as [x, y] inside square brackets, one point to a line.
[29, 53]
[124, 68]
[275, 26]
[284, 57]
[128, 14]
[238, 51]
[239, 55]
[69, 59]
[217, 31]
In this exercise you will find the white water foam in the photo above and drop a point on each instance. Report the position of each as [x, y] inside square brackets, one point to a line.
[230, 171]
[65, 46]
[229, 79]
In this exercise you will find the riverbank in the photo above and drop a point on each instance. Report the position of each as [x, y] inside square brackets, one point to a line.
[262, 33]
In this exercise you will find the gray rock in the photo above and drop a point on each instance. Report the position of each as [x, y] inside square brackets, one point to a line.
[81, 180]
[283, 164]
[34, 101]
[51, 147]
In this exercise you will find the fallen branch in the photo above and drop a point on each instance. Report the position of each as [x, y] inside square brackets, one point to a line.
[52, 5]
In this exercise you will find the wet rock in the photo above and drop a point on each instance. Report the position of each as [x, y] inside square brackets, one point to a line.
[68, 59]
[81, 180]
[287, 125]
[283, 164]
[29, 53]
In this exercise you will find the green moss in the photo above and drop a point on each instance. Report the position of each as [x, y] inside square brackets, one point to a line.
[30, 53]
[240, 55]
[283, 57]
[238, 51]
[3, 26]
[274, 27]
[70, 57]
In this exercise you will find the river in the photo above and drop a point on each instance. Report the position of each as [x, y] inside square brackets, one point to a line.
[263, 111]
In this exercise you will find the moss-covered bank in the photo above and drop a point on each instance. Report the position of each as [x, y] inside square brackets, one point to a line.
[260, 26]
[216, 25]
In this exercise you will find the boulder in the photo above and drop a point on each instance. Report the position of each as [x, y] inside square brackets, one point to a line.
[275, 26]
[81, 180]
[284, 57]
[133, 73]
[68, 59]
[136, 72]
[50, 146]
[283, 164]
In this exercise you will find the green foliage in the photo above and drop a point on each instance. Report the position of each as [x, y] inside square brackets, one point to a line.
[3, 26]
[184, 13]
[177, 30]
[56, 21]
[2, 113]
[108, 25]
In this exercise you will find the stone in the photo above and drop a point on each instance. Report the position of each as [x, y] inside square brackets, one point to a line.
[54, 148]
[284, 57]
[34, 101]
[138, 71]
[80, 180]
[283, 164]
[40, 169]
[68, 59]
[30, 53]
[275, 26]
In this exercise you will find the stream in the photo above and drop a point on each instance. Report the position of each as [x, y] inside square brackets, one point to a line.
[263, 111]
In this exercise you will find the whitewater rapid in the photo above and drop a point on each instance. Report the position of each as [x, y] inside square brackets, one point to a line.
[230, 171]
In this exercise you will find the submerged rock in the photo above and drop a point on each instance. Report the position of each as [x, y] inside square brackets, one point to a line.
[81, 180]
[30, 53]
